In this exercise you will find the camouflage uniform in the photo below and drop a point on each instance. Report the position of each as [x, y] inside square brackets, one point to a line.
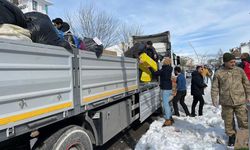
[233, 89]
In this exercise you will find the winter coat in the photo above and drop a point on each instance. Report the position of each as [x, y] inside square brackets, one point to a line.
[165, 77]
[181, 82]
[197, 84]
[231, 85]
[242, 64]
[151, 52]
[245, 66]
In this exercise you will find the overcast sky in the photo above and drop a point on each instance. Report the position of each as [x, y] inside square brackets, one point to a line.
[209, 25]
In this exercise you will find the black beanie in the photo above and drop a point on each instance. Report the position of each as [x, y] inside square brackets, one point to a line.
[227, 57]
[57, 20]
[149, 43]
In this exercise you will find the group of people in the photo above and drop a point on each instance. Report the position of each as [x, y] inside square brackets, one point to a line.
[230, 88]
[64, 33]
[166, 78]
[197, 90]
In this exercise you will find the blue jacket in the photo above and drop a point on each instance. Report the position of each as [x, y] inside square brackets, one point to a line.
[59, 33]
[181, 82]
[165, 77]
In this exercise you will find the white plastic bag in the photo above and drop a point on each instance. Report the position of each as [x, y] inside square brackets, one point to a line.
[13, 32]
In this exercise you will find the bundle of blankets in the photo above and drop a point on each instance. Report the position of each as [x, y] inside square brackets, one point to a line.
[33, 26]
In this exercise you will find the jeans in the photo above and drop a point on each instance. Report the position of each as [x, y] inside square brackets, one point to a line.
[165, 98]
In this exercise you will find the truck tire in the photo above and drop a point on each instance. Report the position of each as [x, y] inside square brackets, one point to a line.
[70, 137]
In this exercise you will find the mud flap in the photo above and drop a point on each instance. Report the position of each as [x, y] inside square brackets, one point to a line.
[242, 138]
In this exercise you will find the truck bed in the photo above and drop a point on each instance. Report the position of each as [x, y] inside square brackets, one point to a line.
[42, 84]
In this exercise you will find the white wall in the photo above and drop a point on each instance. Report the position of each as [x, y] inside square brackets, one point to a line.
[160, 47]
[27, 6]
[245, 48]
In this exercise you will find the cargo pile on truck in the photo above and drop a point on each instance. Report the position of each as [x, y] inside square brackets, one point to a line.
[69, 98]
[37, 27]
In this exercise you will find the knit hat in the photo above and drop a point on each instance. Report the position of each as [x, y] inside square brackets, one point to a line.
[149, 43]
[57, 20]
[227, 57]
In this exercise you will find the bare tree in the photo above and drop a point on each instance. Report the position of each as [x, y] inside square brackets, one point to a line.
[220, 53]
[219, 57]
[127, 31]
[88, 21]
[183, 61]
[186, 61]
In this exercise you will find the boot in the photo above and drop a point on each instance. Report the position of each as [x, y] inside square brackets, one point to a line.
[231, 140]
[192, 115]
[176, 114]
[172, 120]
[167, 122]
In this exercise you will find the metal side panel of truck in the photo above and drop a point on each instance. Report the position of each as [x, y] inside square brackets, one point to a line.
[107, 78]
[149, 102]
[35, 82]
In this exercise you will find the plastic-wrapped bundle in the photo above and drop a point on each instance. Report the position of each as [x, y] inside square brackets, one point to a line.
[11, 14]
[93, 46]
[43, 31]
[74, 41]
[135, 51]
[14, 32]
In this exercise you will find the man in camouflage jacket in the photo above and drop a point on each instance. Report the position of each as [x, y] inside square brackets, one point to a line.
[233, 88]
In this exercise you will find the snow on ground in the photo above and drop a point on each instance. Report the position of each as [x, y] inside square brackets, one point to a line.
[188, 133]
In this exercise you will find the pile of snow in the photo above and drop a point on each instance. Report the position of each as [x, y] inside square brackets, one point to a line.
[188, 133]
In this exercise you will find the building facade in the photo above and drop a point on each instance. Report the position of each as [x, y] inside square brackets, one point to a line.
[33, 5]
[245, 47]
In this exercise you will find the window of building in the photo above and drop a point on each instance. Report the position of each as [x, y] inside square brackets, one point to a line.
[46, 9]
[34, 5]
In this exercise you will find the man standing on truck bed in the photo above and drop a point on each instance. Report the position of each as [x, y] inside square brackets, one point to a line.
[151, 52]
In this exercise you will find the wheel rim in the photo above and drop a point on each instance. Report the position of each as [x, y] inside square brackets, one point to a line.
[75, 146]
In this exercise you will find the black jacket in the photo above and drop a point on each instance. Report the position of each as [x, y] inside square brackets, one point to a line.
[165, 77]
[151, 52]
[197, 84]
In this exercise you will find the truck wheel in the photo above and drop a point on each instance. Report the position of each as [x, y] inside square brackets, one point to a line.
[68, 138]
